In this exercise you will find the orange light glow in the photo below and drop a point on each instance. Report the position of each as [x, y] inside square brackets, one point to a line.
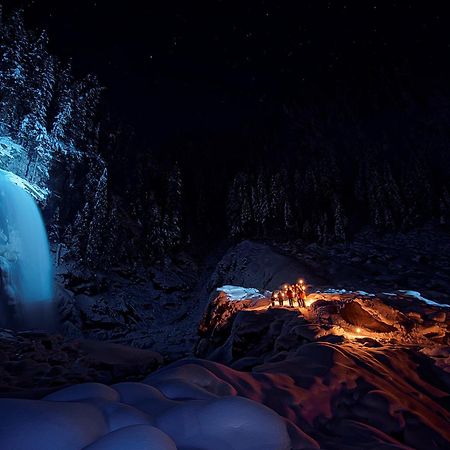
[358, 330]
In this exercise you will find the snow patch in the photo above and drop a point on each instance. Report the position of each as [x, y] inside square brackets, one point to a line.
[9, 149]
[367, 294]
[40, 194]
[240, 293]
[418, 295]
[334, 291]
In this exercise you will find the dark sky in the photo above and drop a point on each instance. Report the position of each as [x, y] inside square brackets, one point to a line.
[188, 66]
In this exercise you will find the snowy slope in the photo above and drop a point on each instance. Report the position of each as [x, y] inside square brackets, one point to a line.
[13, 163]
[37, 192]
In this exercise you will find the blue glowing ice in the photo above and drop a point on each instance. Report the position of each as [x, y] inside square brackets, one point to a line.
[26, 276]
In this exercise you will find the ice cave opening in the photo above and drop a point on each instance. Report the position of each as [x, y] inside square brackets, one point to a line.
[26, 274]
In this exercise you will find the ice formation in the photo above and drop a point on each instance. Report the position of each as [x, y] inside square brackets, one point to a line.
[26, 281]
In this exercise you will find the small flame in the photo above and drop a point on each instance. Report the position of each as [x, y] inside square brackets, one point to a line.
[358, 330]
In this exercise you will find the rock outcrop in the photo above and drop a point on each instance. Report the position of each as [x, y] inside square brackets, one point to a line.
[374, 369]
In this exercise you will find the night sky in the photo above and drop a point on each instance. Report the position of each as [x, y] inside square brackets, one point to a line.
[174, 67]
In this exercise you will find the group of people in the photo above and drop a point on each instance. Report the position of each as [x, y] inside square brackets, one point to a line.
[290, 294]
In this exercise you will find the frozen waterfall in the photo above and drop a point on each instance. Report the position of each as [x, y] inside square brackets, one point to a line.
[26, 276]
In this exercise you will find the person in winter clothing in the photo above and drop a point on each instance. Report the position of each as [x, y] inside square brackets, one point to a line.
[290, 295]
[274, 298]
[301, 295]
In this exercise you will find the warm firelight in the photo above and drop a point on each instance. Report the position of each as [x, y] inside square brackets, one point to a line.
[358, 330]
[292, 295]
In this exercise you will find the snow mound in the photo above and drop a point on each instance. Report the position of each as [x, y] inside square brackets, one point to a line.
[183, 406]
[240, 293]
[136, 437]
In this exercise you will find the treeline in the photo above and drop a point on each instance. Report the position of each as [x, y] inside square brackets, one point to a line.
[338, 172]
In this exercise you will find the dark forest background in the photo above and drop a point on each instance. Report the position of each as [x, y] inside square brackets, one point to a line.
[368, 147]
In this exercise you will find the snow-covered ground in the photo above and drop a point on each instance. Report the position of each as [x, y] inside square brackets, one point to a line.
[180, 407]
[240, 293]
[418, 295]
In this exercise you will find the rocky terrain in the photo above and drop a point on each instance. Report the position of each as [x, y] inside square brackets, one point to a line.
[351, 370]
[418, 260]
[35, 363]
[365, 365]
[372, 366]
[159, 308]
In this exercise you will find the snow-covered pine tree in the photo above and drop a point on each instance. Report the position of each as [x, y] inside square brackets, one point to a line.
[112, 249]
[444, 208]
[13, 71]
[55, 227]
[155, 229]
[61, 127]
[234, 205]
[86, 99]
[289, 222]
[76, 237]
[260, 203]
[340, 221]
[173, 215]
[41, 78]
[246, 212]
[98, 224]
[277, 201]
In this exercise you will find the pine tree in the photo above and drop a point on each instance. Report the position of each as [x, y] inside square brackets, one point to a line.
[444, 208]
[55, 227]
[236, 196]
[156, 236]
[289, 223]
[13, 72]
[41, 79]
[173, 217]
[260, 203]
[61, 127]
[340, 221]
[277, 202]
[86, 99]
[112, 249]
[76, 236]
[98, 224]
